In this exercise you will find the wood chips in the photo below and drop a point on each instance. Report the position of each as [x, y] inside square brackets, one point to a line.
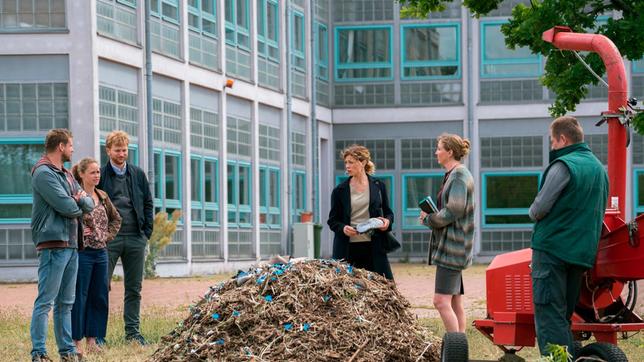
[311, 310]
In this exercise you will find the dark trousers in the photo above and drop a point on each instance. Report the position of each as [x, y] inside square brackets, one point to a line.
[361, 255]
[131, 250]
[89, 314]
[555, 291]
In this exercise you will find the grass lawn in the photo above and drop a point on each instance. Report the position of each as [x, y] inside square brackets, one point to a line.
[16, 345]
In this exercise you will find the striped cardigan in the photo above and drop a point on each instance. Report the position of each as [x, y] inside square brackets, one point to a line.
[453, 226]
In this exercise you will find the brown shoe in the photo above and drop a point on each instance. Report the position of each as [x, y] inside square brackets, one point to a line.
[41, 358]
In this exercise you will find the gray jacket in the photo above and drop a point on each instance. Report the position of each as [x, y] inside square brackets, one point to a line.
[55, 213]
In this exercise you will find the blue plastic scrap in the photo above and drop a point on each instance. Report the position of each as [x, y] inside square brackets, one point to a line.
[306, 327]
[215, 316]
[268, 298]
[288, 326]
[236, 313]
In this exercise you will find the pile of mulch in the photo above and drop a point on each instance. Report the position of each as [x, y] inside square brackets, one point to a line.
[311, 310]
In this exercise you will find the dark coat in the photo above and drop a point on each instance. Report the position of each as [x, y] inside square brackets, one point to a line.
[140, 191]
[340, 216]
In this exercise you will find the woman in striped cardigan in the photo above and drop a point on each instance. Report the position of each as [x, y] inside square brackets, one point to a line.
[452, 231]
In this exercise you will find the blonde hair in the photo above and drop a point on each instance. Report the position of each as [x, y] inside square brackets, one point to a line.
[81, 167]
[460, 147]
[360, 153]
[116, 138]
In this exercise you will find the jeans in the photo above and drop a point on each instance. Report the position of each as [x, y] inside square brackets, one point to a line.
[56, 286]
[555, 289]
[89, 315]
[131, 250]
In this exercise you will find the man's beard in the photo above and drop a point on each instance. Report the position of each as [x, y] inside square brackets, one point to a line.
[66, 158]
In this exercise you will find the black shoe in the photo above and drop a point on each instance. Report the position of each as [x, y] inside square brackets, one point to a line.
[41, 358]
[137, 338]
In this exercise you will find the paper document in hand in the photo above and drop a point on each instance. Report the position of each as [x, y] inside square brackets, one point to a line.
[428, 205]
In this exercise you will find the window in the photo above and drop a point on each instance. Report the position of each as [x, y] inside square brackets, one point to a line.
[117, 19]
[299, 193]
[132, 154]
[33, 106]
[167, 121]
[268, 29]
[204, 129]
[239, 136]
[167, 180]
[299, 148]
[239, 194]
[515, 151]
[204, 190]
[419, 154]
[269, 143]
[507, 198]
[202, 16]
[166, 9]
[387, 179]
[29, 15]
[363, 53]
[118, 109]
[497, 61]
[638, 188]
[415, 188]
[270, 214]
[237, 23]
[297, 41]
[17, 157]
[322, 54]
[638, 66]
[430, 51]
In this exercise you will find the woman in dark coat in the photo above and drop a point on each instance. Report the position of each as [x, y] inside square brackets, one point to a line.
[354, 201]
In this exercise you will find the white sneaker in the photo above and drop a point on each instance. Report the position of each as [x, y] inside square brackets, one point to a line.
[370, 224]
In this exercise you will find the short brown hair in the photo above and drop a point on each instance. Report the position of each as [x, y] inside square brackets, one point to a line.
[569, 127]
[55, 137]
[360, 153]
[116, 138]
[460, 147]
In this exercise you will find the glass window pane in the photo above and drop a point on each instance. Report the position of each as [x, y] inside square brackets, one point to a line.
[274, 189]
[272, 22]
[244, 185]
[242, 13]
[195, 175]
[16, 162]
[210, 181]
[419, 187]
[426, 44]
[157, 175]
[495, 47]
[208, 7]
[230, 10]
[511, 191]
[640, 189]
[364, 46]
[231, 186]
[171, 177]
[298, 32]
[13, 211]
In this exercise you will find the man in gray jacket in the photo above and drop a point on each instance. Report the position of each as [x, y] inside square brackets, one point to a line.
[58, 202]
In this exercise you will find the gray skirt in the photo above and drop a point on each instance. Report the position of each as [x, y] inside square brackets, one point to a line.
[449, 281]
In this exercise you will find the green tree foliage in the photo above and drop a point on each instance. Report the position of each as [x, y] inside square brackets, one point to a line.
[564, 73]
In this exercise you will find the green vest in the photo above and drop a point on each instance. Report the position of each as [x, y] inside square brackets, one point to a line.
[571, 230]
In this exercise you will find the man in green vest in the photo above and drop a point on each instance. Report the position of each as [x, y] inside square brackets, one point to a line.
[569, 212]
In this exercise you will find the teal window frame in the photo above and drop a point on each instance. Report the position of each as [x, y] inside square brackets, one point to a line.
[264, 192]
[133, 150]
[160, 187]
[201, 204]
[202, 15]
[19, 199]
[238, 207]
[486, 211]
[430, 63]
[322, 60]
[638, 66]
[637, 207]
[534, 60]
[375, 65]
[130, 3]
[295, 211]
[298, 50]
[390, 191]
[158, 11]
[262, 29]
[414, 210]
[235, 28]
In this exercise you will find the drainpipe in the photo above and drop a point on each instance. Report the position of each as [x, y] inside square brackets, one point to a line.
[314, 128]
[148, 95]
[563, 38]
[289, 137]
